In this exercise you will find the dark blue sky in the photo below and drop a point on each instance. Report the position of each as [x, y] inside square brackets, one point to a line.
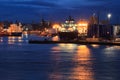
[57, 10]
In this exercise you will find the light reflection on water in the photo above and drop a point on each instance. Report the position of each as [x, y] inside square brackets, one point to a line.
[86, 62]
[65, 47]
[14, 39]
[95, 45]
[83, 68]
[22, 61]
[80, 63]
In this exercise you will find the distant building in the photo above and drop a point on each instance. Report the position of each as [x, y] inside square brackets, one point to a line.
[100, 31]
[117, 33]
[1, 26]
[82, 27]
[45, 24]
[7, 24]
[35, 26]
[117, 30]
[27, 27]
[93, 20]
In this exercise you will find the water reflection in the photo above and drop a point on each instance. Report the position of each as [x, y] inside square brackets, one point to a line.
[77, 67]
[58, 61]
[1, 39]
[109, 53]
[83, 68]
[55, 38]
[95, 46]
[67, 47]
[63, 52]
[14, 39]
[112, 48]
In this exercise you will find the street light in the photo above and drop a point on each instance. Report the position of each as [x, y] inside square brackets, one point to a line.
[109, 16]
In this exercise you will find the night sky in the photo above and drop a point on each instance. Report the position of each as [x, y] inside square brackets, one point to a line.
[57, 10]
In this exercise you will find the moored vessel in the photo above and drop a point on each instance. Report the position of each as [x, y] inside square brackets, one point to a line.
[68, 30]
[15, 30]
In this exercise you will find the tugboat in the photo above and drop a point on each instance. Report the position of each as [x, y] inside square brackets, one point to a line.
[68, 30]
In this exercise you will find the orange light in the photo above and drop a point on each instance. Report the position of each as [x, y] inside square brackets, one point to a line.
[83, 24]
[55, 26]
[14, 28]
[82, 57]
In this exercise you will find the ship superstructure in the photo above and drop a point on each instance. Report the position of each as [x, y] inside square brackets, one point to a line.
[68, 30]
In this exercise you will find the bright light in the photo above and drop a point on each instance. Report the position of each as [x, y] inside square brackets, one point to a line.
[70, 29]
[82, 26]
[14, 28]
[109, 15]
[62, 29]
[83, 23]
[55, 26]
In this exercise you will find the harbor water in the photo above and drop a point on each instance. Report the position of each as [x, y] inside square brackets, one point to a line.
[20, 60]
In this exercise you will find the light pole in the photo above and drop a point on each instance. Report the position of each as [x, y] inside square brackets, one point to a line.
[109, 16]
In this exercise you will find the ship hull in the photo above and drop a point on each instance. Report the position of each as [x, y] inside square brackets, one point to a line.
[68, 35]
[16, 34]
[4, 34]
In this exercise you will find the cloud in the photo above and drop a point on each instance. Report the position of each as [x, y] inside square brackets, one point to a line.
[31, 3]
[31, 9]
